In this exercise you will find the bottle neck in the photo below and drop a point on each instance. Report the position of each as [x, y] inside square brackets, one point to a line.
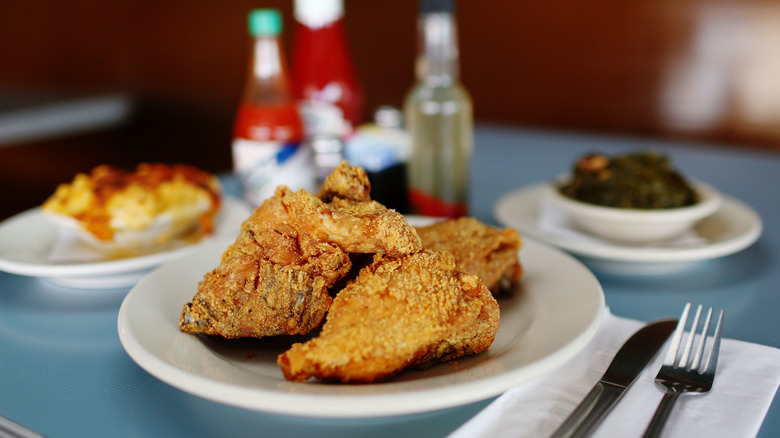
[269, 82]
[437, 60]
[267, 57]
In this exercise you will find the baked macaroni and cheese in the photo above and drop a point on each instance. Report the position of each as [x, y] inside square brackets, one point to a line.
[151, 205]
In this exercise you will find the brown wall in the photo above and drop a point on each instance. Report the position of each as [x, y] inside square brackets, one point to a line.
[665, 69]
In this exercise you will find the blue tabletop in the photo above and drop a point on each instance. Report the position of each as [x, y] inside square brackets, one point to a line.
[63, 371]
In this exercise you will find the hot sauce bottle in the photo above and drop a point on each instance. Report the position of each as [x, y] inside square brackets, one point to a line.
[268, 131]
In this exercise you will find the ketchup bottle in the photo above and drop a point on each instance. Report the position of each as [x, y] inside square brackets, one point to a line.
[323, 74]
[268, 131]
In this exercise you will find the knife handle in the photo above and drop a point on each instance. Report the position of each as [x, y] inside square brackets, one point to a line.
[591, 410]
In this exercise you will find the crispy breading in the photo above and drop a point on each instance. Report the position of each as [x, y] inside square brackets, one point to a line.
[488, 252]
[275, 278]
[272, 280]
[355, 226]
[415, 310]
[346, 182]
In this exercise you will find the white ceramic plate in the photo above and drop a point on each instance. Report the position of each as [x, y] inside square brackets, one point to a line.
[555, 310]
[732, 228]
[31, 245]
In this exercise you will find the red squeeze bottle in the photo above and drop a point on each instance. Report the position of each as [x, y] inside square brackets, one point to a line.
[268, 131]
[323, 75]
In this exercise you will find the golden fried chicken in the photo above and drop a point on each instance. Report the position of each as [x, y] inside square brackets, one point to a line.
[275, 278]
[346, 182]
[415, 310]
[355, 226]
[272, 280]
[479, 249]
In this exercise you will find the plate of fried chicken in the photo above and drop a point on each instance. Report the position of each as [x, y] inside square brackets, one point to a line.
[331, 305]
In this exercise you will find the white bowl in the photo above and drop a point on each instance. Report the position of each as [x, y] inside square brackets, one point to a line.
[637, 226]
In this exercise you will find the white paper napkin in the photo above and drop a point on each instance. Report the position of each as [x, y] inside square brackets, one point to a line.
[537, 408]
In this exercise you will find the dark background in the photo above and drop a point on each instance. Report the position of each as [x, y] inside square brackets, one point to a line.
[705, 71]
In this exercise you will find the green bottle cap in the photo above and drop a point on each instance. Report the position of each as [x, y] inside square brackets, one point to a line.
[266, 22]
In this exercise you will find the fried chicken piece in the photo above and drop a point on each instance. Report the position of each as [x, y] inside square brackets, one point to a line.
[415, 310]
[272, 280]
[351, 219]
[347, 183]
[275, 278]
[355, 226]
[479, 249]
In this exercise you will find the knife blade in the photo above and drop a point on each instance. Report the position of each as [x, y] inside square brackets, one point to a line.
[627, 364]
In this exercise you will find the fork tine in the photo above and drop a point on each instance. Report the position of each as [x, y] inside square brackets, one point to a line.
[684, 359]
[678, 379]
[674, 347]
[712, 358]
[702, 341]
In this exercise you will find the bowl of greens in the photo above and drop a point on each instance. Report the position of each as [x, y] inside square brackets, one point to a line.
[635, 198]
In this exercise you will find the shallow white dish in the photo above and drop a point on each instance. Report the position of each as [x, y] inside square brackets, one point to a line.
[637, 226]
[30, 244]
[552, 314]
[732, 228]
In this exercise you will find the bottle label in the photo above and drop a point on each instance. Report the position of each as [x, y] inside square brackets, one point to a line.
[323, 119]
[262, 165]
[427, 205]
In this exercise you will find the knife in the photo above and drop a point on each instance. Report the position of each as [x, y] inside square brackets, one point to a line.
[629, 361]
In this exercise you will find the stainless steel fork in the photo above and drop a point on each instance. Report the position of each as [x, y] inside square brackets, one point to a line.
[682, 372]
